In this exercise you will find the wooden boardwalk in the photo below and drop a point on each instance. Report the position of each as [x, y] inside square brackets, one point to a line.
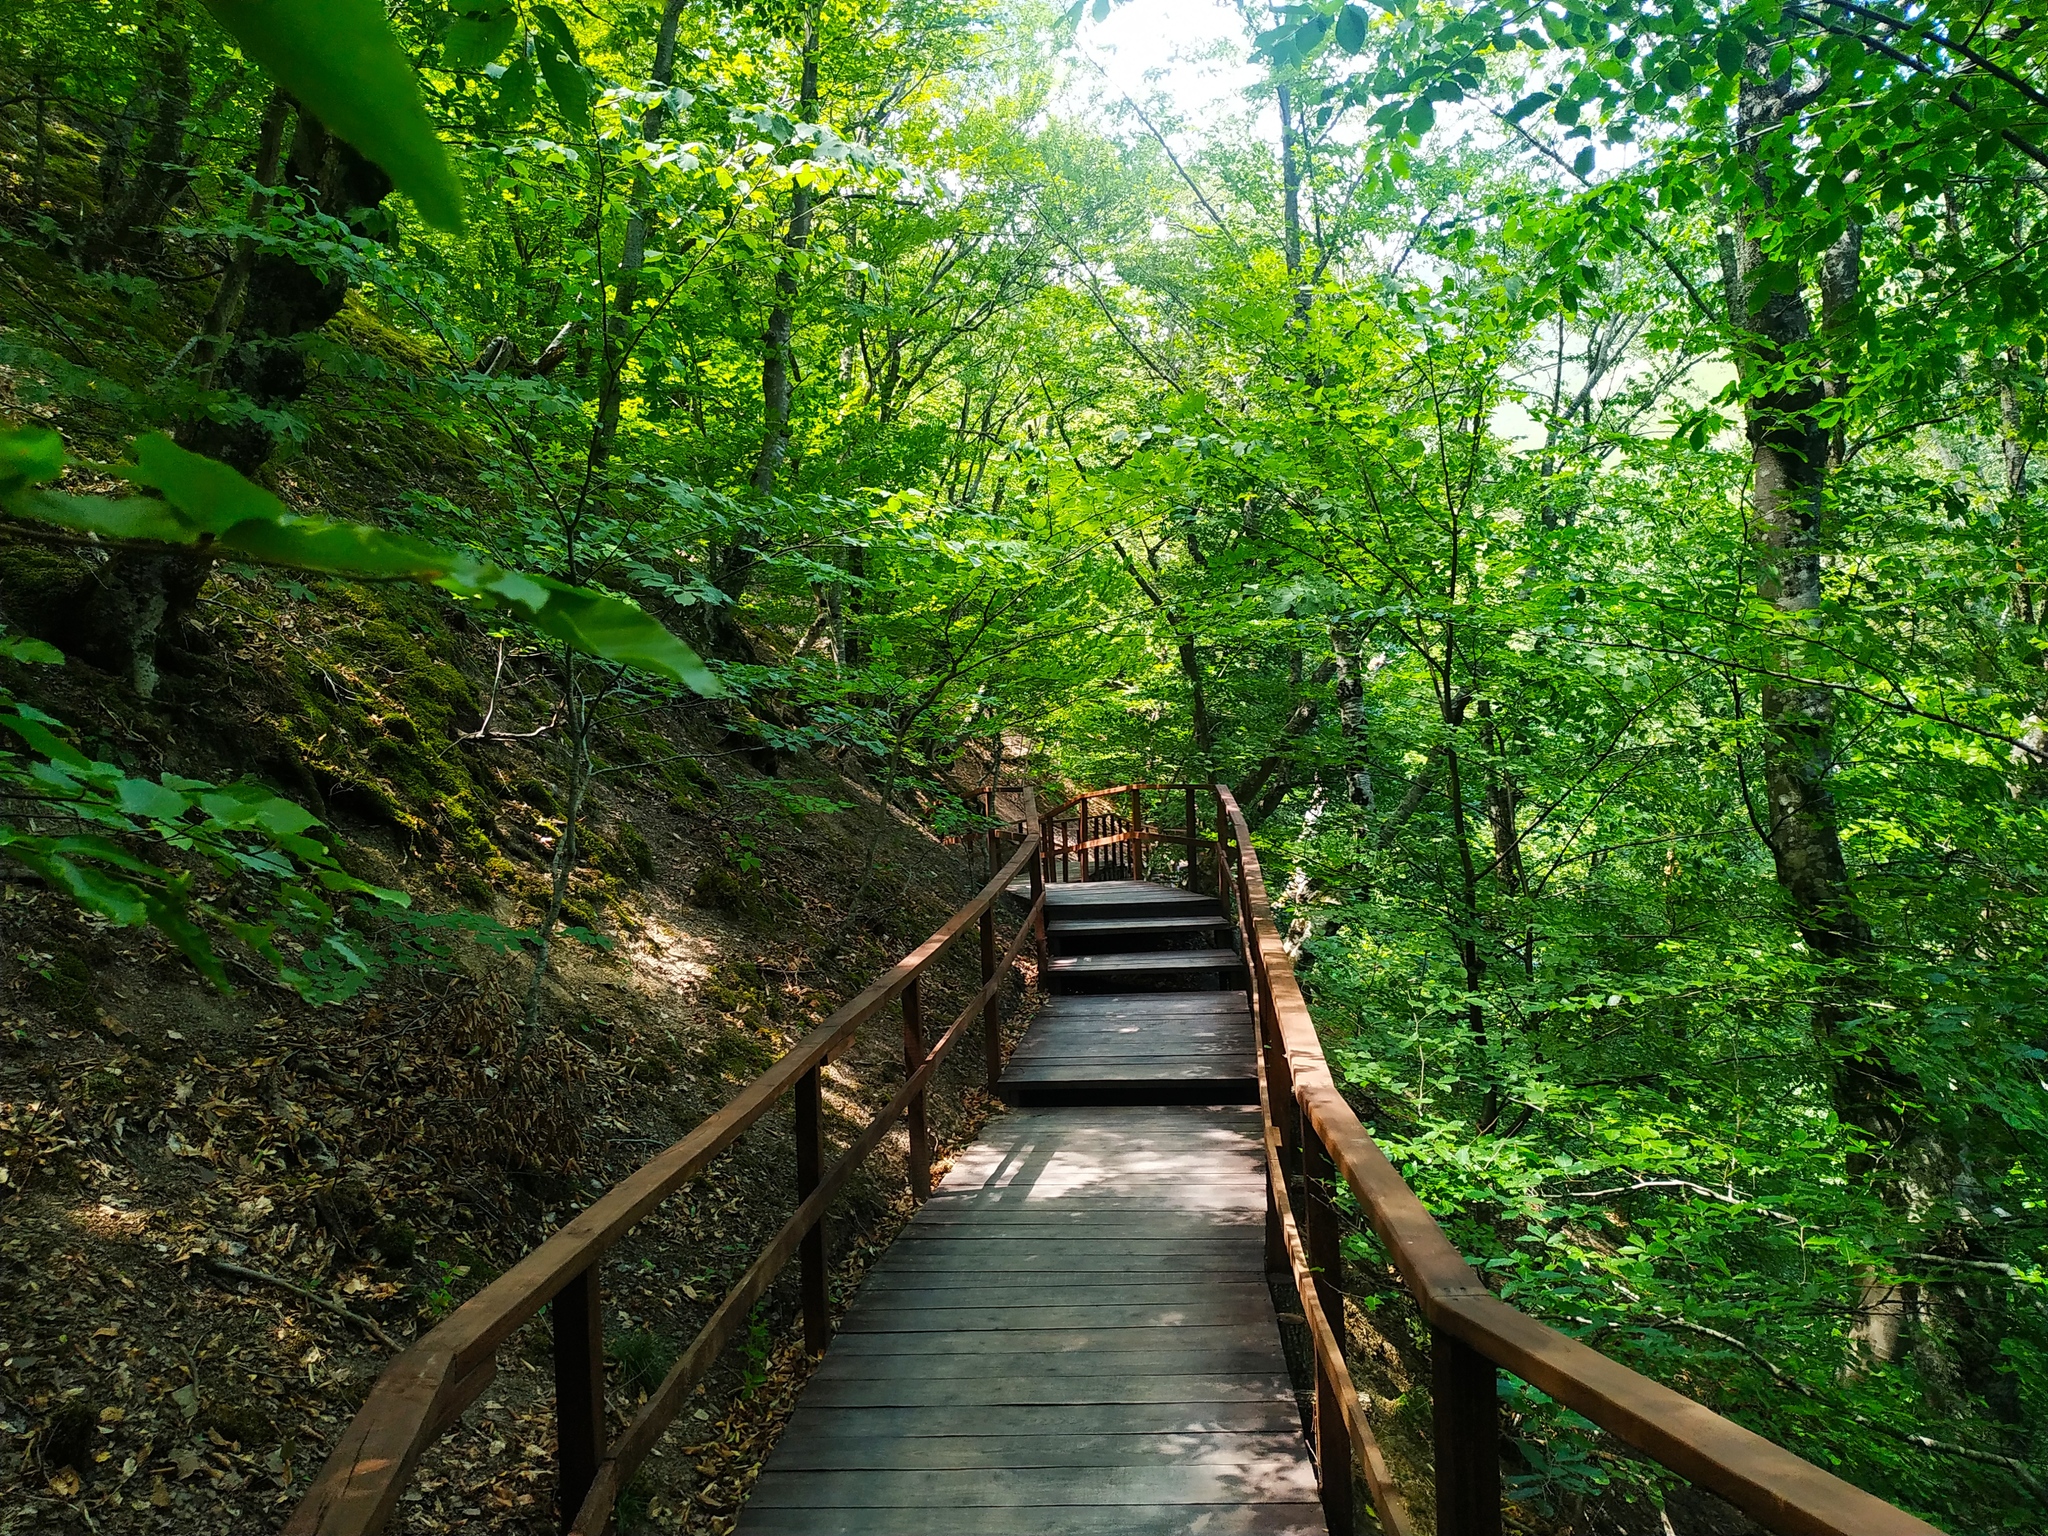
[1074, 1336]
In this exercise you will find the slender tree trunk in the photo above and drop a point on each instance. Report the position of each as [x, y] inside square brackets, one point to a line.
[617, 335]
[1791, 451]
[2028, 612]
[776, 360]
[226, 310]
[1347, 647]
[134, 201]
[1470, 959]
[136, 596]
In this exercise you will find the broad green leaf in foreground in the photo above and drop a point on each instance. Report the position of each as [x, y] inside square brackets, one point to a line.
[480, 31]
[339, 59]
[206, 505]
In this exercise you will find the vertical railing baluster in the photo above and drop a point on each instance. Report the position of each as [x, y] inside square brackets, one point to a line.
[1140, 865]
[1326, 1258]
[577, 1318]
[1191, 839]
[1465, 1396]
[1083, 849]
[810, 1168]
[913, 1058]
[992, 1010]
[1038, 929]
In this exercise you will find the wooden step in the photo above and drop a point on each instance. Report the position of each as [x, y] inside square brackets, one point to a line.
[1109, 899]
[1099, 935]
[1178, 969]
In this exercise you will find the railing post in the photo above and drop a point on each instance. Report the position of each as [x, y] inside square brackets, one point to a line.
[1191, 840]
[1139, 863]
[1038, 930]
[1466, 1421]
[1326, 1258]
[992, 1010]
[577, 1318]
[810, 1168]
[1082, 850]
[913, 1058]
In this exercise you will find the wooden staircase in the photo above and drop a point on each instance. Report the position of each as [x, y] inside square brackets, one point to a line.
[1146, 1003]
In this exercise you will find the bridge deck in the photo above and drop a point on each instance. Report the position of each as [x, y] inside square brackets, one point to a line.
[1074, 1336]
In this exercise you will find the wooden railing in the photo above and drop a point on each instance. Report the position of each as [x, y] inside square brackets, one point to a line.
[422, 1391]
[1314, 1139]
[1107, 835]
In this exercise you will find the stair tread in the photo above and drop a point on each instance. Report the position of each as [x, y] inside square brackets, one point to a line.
[1136, 925]
[1151, 960]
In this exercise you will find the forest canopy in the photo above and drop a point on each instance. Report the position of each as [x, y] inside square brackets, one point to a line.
[1568, 467]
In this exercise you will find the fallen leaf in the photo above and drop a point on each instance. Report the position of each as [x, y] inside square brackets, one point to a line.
[65, 1484]
[112, 1415]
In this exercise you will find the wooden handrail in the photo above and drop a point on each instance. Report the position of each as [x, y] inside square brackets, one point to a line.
[1468, 1324]
[445, 1370]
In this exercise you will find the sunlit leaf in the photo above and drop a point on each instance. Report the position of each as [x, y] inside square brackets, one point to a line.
[339, 59]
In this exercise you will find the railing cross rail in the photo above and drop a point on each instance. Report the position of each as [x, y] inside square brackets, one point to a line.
[422, 1391]
[1314, 1139]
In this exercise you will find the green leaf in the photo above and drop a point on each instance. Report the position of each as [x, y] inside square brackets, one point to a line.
[561, 65]
[35, 652]
[517, 91]
[1351, 28]
[144, 797]
[1729, 53]
[217, 507]
[28, 456]
[339, 59]
[618, 631]
[479, 33]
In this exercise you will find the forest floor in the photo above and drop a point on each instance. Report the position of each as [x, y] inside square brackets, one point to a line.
[391, 1154]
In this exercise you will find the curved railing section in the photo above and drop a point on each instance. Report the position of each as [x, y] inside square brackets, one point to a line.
[1314, 1138]
[422, 1391]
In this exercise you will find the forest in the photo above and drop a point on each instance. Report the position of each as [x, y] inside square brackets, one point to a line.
[1568, 466]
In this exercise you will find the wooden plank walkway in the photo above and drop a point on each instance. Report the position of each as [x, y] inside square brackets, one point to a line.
[1074, 1336]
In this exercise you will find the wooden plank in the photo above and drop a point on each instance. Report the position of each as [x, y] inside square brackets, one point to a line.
[916, 1292]
[920, 1420]
[858, 1448]
[1148, 962]
[1051, 1365]
[1182, 1313]
[1268, 1480]
[1074, 1335]
[1161, 1005]
[1082, 926]
[1174, 1520]
[1144, 1070]
[1070, 1341]
[996, 1390]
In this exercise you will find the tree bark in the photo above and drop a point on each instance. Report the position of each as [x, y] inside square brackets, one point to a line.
[1791, 452]
[133, 202]
[136, 596]
[617, 334]
[1347, 648]
[776, 360]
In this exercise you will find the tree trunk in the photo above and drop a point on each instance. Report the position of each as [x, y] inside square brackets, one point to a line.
[134, 200]
[2027, 610]
[136, 595]
[776, 361]
[617, 334]
[1347, 648]
[1790, 449]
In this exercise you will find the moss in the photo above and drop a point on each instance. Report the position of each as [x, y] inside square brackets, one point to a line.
[240, 1422]
[637, 850]
[737, 1053]
[721, 888]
